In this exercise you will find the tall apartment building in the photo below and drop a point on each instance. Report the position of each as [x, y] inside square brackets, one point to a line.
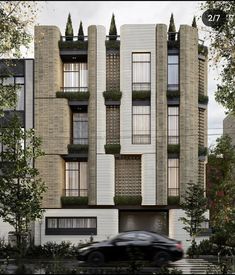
[18, 72]
[123, 122]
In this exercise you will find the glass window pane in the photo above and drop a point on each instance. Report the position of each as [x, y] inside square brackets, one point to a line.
[20, 98]
[51, 223]
[173, 76]
[19, 80]
[141, 57]
[173, 59]
[141, 72]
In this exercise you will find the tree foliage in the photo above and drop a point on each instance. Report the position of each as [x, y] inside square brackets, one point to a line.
[172, 24]
[221, 175]
[113, 29]
[194, 23]
[195, 206]
[69, 27]
[16, 21]
[21, 188]
[80, 32]
[223, 52]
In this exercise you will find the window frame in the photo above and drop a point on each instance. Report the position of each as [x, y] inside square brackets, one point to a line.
[72, 129]
[70, 231]
[173, 87]
[168, 116]
[177, 188]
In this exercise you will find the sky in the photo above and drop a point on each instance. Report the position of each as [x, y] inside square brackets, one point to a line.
[136, 12]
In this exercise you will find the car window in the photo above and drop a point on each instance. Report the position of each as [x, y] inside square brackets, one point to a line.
[143, 237]
[126, 237]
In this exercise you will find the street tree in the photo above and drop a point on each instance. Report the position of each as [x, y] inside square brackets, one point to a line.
[221, 176]
[222, 49]
[21, 188]
[195, 205]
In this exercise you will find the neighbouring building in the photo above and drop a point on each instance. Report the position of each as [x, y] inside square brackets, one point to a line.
[229, 127]
[18, 72]
[123, 122]
[124, 127]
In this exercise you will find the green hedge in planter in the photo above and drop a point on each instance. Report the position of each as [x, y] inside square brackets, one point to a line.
[173, 148]
[112, 44]
[80, 96]
[173, 94]
[127, 200]
[173, 200]
[112, 148]
[74, 200]
[76, 45]
[202, 151]
[77, 148]
[112, 95]
[173, 44]
[203, 99]
[202, 50]
[141, 95]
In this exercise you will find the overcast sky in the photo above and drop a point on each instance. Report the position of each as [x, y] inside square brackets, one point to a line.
[142, 12]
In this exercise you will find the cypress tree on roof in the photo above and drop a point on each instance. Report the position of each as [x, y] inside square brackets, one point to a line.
[194, 23]
[172, 24]
[69, 27]
[80, 32]
[113, 29]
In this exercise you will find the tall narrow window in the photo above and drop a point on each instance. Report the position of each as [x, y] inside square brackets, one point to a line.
[173, 72]
[141, 125]
[141, 80]
[173, 125]
[75, 77]
[76, 179]
[80, 128]
[173, 177]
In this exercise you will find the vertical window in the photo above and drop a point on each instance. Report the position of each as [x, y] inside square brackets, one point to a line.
[173, 72]
[173, 125]
[75, 77]
[141, 80]
[76, 179]
[173, 177]
[141, 125]
[80, 128]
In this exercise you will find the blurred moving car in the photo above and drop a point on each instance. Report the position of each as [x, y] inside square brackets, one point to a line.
[137, 245]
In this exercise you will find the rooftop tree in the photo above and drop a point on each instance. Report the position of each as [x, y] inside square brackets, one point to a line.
[69, 28]
[194, 23]
[80, 32]
[113, 29]
[171, 29]
[21, 188]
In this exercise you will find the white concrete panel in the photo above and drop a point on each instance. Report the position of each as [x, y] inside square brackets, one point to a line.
[105, 179]
[135, 38]
[176, 230]
[107, 225]
[101, 87]
[148, 179]
[4, 229]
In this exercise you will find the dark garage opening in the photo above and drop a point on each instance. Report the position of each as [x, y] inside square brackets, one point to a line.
[144, 220]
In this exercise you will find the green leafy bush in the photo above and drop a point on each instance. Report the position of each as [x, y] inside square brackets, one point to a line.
[141, 95]
[112, 44]
[80, 96]
[202, 151]
[112, 95]
[202, 50]
[128, 200]
[73, 45]
[77, 148]
[173, 148]
[203, 99]
[112, 148]
[73, 201]
[173, 200]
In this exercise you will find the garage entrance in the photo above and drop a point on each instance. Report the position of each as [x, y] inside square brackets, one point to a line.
[143, 220]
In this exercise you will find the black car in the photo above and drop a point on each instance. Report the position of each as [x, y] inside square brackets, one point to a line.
[138, 245]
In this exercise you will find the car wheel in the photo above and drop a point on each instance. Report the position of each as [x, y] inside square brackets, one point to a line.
[161, 258]
[96, 258]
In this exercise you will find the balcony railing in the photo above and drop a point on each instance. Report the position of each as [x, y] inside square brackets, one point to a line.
[80, 141]
[175, 36]
[74, 38]
[75, 192]
[173, 192]
[113, 37]
[141, 86]
[74, 89]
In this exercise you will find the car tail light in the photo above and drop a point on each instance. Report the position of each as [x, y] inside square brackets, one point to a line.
[179, 246]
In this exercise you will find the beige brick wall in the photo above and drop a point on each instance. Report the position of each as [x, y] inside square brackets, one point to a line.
[52, 115]
[92, 113]
[188, 106]
[161, 113]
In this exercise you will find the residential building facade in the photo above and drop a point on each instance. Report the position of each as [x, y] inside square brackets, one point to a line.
[123, 122]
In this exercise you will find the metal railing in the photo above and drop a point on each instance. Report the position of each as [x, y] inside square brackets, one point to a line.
[82, 141]
[74, 89]
[113, 37]
[173, 192]
[75, 192]
[175, 36]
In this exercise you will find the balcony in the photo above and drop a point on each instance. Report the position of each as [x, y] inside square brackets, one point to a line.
[77, 96]
[75, 192]
[74, 89]
[112, 42]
